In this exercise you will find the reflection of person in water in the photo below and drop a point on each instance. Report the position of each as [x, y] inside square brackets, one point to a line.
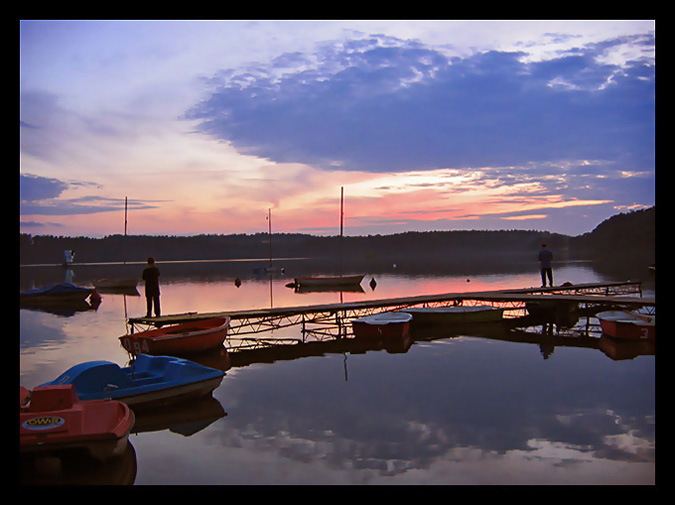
[151, 278]
[545, 259]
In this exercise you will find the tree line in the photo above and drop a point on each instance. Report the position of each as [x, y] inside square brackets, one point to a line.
[632, 234]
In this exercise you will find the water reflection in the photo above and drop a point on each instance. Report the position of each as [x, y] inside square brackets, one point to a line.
[186, 418]
[445, 406]
[75, 470]
[454, 402]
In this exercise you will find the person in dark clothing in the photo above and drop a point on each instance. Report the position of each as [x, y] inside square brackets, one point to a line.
[151, 278]
[545, 259]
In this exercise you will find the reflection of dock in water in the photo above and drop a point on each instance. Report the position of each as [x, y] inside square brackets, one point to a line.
[253, 329]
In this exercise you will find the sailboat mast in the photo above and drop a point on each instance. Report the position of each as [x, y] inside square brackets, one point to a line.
[342, 213]
[269, 230]
[125, 230]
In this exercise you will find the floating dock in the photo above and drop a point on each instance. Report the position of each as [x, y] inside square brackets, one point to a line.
[256, 322]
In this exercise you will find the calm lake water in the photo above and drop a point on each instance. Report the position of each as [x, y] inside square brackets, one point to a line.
[442, 409]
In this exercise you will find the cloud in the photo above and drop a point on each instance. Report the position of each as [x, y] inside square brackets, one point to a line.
[40, 196]
[33, 188]
[382, 104]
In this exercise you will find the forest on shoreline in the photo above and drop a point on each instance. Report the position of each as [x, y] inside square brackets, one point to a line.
[623, 237]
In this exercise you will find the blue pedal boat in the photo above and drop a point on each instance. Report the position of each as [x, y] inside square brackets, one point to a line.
[150, 381]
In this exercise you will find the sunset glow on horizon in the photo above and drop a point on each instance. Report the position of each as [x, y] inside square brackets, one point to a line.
[427, 125]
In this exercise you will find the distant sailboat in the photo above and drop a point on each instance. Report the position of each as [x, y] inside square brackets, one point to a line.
[270, 269]
[339, 282]
[124, 284]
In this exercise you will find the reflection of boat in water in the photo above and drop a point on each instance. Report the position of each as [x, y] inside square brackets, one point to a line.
[287, 352]
[628, 325]
[455, 314]
[179, 339]
[64, 292]
[559, 312]
[626, 349]
[186, 418]
[64, 309]
[269, 270]
[74, 470]
[382, 325]
[54, 419]
[148, 381]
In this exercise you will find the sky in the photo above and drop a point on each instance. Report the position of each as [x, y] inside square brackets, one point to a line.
[208, 127]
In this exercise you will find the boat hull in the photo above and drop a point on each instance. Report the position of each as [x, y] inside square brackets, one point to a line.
[168, 396]
[456, 314]
[382, 326]
[55, 420]
[347, 280]
[179, 339]
[129, 283]
[627, 326]
[149, 381]
[59, 293]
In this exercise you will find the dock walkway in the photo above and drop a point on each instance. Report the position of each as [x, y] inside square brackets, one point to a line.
[253, 321]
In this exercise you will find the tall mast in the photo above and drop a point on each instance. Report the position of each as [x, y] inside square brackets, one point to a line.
[269, 229]
[342, 213]
[125, 231]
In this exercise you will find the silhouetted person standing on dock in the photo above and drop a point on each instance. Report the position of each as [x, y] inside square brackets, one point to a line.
[545, 259]
[151, 278]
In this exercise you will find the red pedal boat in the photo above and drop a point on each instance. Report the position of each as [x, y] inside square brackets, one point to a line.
[54, 419]
[179, 339]
[628, 325]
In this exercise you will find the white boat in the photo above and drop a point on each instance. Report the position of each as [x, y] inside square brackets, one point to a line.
[456, 314]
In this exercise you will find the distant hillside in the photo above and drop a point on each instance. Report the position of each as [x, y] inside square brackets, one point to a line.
[625, 234]
[623, 237]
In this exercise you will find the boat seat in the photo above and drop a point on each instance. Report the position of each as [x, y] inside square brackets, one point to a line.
[95, 377]
[49, 398]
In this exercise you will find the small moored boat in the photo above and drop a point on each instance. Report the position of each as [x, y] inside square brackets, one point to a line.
[114, 284]
[178, 339]
[53, 419]
[324, 281]
[627, 325]
[148, 381]
[382, 325]
[58, 293]
[456, 314]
